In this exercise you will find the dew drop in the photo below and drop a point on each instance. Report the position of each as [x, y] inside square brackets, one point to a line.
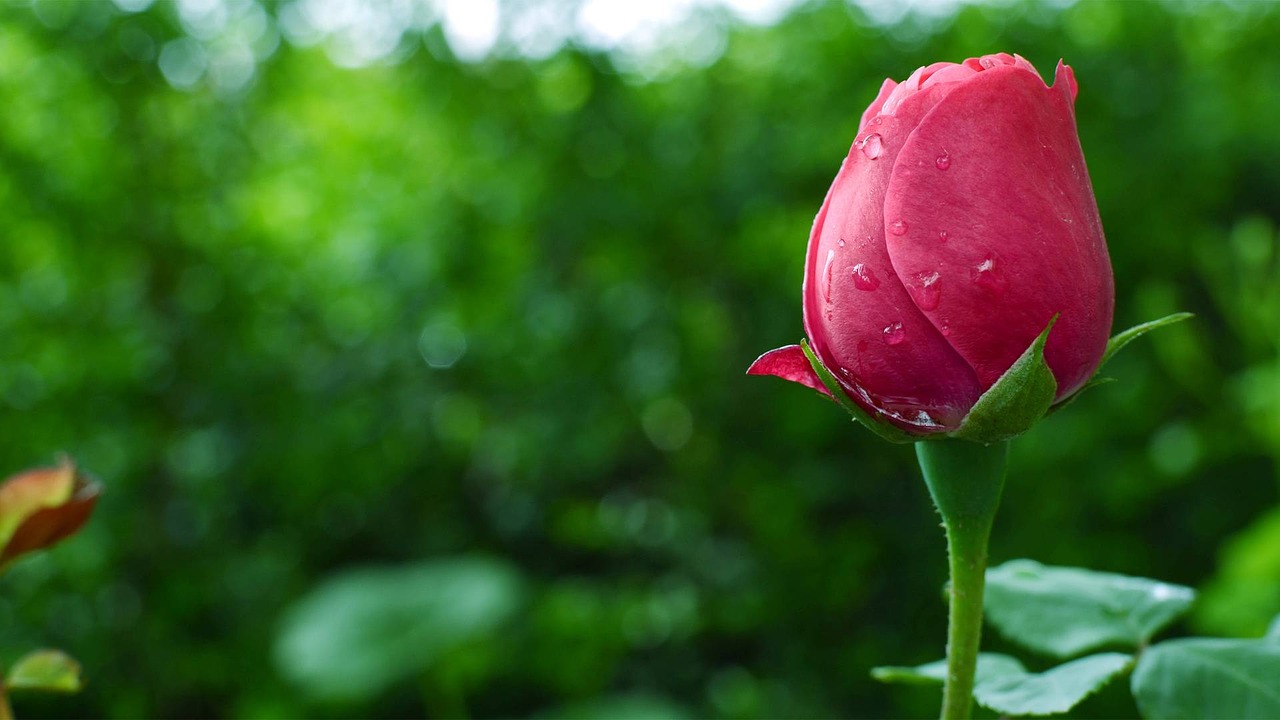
[943, 162]
[894, 334]
[987, 63]
[826, 276]
[877, 120]
[898, 227]
[946, 327]
[943, 235]
[872, 146]
[864, 279]
[925, 290]
[841, 242]
[924, 419]
[987, 275]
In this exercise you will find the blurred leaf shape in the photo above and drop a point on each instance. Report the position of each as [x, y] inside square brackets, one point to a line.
[41, 507]
[1245, 593]
[365, 629]
[1004, 685]
[1209, 678]
[1064, 611]
[45, 671]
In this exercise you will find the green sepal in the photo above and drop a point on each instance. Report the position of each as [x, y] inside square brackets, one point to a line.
[1095, 382]
[1117, 343]
[883, 429]
[1016, 401]
[45, 671]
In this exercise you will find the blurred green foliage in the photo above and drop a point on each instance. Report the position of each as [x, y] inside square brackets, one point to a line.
[303, 318]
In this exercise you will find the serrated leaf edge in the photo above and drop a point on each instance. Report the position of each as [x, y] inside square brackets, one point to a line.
[1129, 665]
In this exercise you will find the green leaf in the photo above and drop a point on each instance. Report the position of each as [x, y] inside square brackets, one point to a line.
[1209, 678]
[990, 666]
[879, 427]
[46, 671]
[1067, 611]
[1056, 690]
[1016, 401]
[1117, 343]
[1242, 597]
[1004, 685]
[365, 629]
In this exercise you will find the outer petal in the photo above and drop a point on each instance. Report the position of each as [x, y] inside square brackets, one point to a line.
[886, 88]
[788, 363]
[1023, 237]
[858, 316]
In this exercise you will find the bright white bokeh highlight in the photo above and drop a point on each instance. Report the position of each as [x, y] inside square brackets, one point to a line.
[226, 39]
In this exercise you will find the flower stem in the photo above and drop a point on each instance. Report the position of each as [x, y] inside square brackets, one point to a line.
[965, 480]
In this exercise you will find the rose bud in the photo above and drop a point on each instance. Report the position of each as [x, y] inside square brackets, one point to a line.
[961, 224]
[39, 508]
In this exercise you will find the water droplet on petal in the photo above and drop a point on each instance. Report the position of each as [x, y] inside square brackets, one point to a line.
[946, 327]
[877, 120]
[898, 227]
[987, 63]
[863, 278]
[943, 235]
[872, 146]
[943, 162]
[988, 276]
[894, 334]
[841, 242]
[924, 419]
[826, 276]
[925, 290]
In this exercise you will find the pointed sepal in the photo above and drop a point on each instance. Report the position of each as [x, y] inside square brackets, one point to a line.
[875, 425]
[1016, 401]
[1117, 343]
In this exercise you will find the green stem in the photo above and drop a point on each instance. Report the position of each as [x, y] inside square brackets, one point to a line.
[965, 480]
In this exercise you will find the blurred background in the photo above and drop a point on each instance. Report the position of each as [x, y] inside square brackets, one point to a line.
[409, 340]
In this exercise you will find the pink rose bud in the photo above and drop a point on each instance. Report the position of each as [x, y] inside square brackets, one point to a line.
[961, 222]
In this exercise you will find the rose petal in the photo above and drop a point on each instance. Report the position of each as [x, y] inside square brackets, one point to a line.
[1024, 237]
[788, 363]
[886, 88]
[858, 316]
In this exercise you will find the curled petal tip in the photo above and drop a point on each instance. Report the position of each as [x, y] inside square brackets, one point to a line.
[788, 363]
[1064, 78]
